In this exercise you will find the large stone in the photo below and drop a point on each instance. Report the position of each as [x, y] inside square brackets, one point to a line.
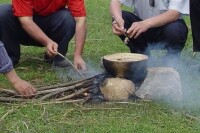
[161, 83]
[117, 89]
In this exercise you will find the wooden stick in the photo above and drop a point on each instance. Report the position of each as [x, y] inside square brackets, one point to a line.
[73, 94]
[68, 84]
[62, 89]
[192, 117]
[57, 92]
[8, 91]
[9, 99]
[71, 65]
[59, 85]
[60, 102]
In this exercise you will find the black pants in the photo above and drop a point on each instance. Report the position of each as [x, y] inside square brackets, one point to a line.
[171, 37]
[59, 26]
[195, 22]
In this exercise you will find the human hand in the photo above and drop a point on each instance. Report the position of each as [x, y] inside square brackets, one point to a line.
[52, 48]
[24, 88]
[137, 28]
[79, 63]
[118, 26]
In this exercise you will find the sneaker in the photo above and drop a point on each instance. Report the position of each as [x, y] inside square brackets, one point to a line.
[56, 61]
[48, 59]
[61, 63]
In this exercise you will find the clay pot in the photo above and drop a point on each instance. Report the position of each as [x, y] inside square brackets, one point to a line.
[126, 65]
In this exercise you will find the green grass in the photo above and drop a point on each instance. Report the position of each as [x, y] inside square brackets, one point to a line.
[137, 116]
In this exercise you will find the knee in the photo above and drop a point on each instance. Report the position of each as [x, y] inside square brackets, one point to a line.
[176, 32]
[5, 10]
[68, 21]
[129, 18]
[126, 15]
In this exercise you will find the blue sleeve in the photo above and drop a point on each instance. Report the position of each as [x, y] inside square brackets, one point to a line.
[5, 62]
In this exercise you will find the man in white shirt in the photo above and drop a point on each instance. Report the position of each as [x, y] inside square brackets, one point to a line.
[153, 24]
[195, 22]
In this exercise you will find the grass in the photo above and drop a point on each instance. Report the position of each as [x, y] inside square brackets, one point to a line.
[136, 116]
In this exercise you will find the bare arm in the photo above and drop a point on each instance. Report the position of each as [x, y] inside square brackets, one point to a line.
[80, 36]
[116, 13]
[22, 87]
[36, 33]
[115, 9]
[139, 27]
[162, 19]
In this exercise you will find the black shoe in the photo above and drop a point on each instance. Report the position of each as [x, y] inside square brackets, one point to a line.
[48, 59]
[56, 61]
[61, 63]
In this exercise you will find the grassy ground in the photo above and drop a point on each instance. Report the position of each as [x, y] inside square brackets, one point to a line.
[137, 116]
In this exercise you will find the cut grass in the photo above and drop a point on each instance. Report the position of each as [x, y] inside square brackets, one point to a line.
[138, 116]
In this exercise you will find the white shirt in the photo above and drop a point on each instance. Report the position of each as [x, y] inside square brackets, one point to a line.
[143, 10]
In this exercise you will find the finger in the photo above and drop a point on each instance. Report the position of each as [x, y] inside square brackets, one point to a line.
[33, 89]
[55, 48]
[53, 53]
[29, 90]
[83, 67]
[76, 66]
[118, 28]
[49, 53]
[79, 67]
[134, 32]
[21, 93]
[117, 32]
[138, 33]
[133, 26]
[26, 93]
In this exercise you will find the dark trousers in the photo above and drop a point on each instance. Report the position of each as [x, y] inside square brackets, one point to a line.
[59, 26]
[195, 22]
[171, 37]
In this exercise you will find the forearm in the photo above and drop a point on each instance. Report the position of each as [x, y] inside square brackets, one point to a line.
[115, 9]
[162, 19]
[33, 30]
[12, 76]
[80, 36]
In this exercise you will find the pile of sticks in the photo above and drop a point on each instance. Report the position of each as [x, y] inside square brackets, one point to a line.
[81, 90]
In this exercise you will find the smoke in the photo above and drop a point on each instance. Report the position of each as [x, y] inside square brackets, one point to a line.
[190, 78]
[69, 74]
[189, 70]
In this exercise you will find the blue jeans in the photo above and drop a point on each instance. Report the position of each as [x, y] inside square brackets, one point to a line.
[59, 26]
[171, 37]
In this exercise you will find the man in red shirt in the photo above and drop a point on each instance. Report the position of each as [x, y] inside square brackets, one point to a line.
[49, 23]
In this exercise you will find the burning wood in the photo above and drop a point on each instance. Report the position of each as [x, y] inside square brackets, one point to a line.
[68, 91]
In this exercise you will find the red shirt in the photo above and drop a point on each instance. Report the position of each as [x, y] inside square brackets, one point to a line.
[47, 7]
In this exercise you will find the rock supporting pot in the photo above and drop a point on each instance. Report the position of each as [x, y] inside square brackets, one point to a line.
[117, 89]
